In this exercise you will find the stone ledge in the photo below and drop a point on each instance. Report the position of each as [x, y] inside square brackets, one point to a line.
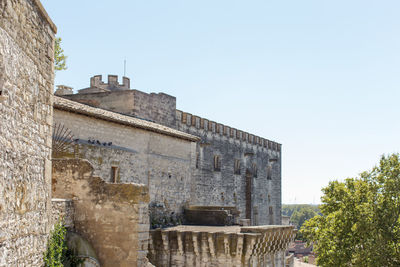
[43, 12]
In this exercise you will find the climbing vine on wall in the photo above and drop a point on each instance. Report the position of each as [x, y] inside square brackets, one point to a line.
[57, 253]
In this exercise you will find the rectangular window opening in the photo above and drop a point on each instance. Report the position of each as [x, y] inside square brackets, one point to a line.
[217, 163]
[237, 166]
[269, 172]
[114, 174]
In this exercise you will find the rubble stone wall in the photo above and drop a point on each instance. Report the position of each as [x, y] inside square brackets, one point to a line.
[26, 86]
[112, 217]
[62, 210]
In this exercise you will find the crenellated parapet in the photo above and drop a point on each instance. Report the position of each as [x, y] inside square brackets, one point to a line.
[224, 130]
[208, 246]
[98, 86]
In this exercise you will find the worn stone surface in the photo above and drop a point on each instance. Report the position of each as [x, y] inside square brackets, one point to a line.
[259, 171]
[26, 84]
[163, 162]
[249, 167]
[112, 217]
[62, 210]
[158, 108]
[220, 246]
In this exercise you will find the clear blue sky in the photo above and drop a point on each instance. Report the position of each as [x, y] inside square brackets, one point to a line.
[320, 77]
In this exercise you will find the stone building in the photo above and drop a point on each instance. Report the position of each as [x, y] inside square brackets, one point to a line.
[117, 157]
[124, 149]
[229, 167]
[26, 91]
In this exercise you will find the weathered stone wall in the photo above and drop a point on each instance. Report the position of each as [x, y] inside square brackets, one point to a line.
[107, 100]
[26, 85]
[112, 217]
[183, 246]
[259, 158]
[159, 108]
[62, 210]
[162, 162]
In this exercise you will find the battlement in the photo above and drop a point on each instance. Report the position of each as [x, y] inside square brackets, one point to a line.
[97, 85]
[224, 130]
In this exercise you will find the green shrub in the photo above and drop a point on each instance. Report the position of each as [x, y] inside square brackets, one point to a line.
[57, 253]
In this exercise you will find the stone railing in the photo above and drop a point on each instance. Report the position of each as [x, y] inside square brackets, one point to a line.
[208, 246]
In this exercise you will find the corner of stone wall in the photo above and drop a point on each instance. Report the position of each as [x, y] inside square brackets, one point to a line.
[112, 217]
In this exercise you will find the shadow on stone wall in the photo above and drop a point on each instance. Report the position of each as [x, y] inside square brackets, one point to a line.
[112, 217]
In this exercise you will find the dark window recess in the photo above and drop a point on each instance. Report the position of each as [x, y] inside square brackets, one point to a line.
[254, 167]
[269, 198]
[271, 211]
[269, 172]
[197, 160]
[114, 174]
[217, 163]
[237, 166]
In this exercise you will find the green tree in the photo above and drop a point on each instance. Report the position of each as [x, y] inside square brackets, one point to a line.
[289, 209]
[360, 224]
[302, 215]
[59, 57]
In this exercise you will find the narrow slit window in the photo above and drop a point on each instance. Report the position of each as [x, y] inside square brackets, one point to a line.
[114, 174]
[197, 160]
[237, 166]
[269, 172]
[254, 169]
[271, 211]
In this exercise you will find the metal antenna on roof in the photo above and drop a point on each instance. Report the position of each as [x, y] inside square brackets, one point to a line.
[124, 67]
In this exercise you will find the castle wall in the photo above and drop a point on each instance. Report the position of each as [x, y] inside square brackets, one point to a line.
[259, 158]
[123, 99]
[112, 217]
[26, 85]
[162, 162]
[159, 108]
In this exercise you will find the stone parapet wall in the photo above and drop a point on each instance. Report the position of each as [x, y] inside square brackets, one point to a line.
[26, 105]
[187, 119]
[112, 217]
[220, 246]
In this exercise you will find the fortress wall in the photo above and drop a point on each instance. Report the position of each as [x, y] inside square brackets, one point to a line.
[156, 107]
[225, 187]
[26, 86]
[117, 101]
[159, 108]
[162, 162]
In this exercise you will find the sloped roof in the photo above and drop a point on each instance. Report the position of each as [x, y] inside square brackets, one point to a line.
[75, 107]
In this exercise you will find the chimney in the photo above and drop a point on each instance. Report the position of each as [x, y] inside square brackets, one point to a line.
[126, 82]
[64, 90]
